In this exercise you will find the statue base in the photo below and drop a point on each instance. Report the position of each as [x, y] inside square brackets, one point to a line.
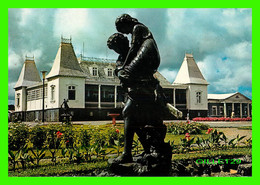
[65, 118]
[146, 164]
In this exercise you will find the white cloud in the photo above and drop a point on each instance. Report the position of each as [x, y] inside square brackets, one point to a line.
[236, 21]
[11, 89]
[14, 60]
[170, 75]
[26, 13]
[242, 51]
[71, 22]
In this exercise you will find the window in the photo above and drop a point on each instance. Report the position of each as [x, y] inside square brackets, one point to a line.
[71, 93]
[214, 110]
[107, 93]
[37, 93]
[52, 92]
[221, 110]
[29, 95]
[109, 72]
[33, 95]
[18, 100]
[198, 97]
[94, 71]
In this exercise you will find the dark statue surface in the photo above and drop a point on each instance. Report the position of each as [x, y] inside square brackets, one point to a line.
[145, 105]
[65, 116]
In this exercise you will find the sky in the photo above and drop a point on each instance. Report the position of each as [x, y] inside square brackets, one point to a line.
[219, 39]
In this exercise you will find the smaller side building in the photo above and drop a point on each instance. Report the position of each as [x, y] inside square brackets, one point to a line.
[229, 105]
[191, 89]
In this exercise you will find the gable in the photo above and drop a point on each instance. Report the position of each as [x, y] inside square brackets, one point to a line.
[238, 97]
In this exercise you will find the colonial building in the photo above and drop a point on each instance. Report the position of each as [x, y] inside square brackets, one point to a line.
[93, 91]
[222, 105]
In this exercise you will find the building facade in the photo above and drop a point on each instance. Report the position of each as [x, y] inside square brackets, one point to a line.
[229, 105]
[94, 92]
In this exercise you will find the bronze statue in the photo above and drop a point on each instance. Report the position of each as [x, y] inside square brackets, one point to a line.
[143, 111]
[66, 116]
[65, 106]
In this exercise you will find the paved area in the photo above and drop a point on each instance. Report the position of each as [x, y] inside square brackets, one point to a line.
[211, 124]
[228, 124]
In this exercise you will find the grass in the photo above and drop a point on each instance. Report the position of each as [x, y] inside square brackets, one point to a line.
[212, 153]
[83, 169]
[245, 128]
[96, 166]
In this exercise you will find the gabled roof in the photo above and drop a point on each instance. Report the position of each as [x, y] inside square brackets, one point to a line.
[66, 63]
[101, 67]
[29, 74]
[163, 81]
[103, 78]
[220, 96]
[189, 72]
[226, 96]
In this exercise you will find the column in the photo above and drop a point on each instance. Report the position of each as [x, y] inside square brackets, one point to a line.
[225, 110]
[241, 113]
[174, 101]
[99, 96]
[233, 111]
[248, 111]
[115, 95]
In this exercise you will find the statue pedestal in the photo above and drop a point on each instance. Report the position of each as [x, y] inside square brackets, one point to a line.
[65, 118]
[152, 164]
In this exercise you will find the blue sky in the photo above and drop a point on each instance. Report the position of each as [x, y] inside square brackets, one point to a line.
[220, 40]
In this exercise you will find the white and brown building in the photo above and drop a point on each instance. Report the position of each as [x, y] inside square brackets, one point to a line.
[93, 91]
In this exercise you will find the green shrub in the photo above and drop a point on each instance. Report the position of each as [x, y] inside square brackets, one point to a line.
[183, 128]
[38, 136]
[68, 136]
[18, 135]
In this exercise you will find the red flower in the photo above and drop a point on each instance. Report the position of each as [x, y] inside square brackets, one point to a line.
[187, 136]
[59, 134]
[117, 131]
[67, 141]
[209, 130]
[188, 121]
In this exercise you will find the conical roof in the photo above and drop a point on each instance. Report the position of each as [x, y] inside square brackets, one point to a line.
[189, 72]
[66, 63]
[29, 74]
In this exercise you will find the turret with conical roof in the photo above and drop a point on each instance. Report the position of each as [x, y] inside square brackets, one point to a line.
[189, 72]
[191, 78]
[66, 63]
[29, 74]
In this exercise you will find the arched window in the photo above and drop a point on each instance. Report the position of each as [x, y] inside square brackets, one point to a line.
[18, 100]
[52, 92]
[95, 71]
[198, 97]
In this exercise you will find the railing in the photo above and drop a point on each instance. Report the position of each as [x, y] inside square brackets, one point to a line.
[93, 59]
[29, 58]
[66, 41]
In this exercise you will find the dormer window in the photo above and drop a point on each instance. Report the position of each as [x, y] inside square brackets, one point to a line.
[109, 72]
[94, 71]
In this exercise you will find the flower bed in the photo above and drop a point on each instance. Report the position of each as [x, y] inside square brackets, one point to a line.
[221, 119]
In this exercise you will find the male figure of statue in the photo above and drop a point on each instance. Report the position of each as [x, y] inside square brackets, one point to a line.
[135, 68]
